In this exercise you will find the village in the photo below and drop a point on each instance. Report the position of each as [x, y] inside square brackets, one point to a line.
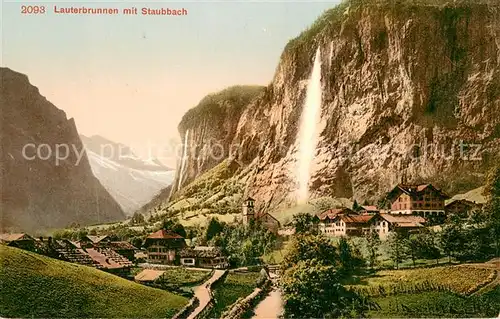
[411, 208]
[172, 261]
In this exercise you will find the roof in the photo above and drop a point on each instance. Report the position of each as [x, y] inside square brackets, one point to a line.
[464, 202]
[369, 208]
[65, 243]
[201, 251]
[105, 260]
[96, 239]
[413, 190]
[250, 199]
[149, 275]
[75, 244]
[262, 214]
[15, 237]
[164, 234]
[123, 245]
[404, 220]
[356, 219]
[332, 213]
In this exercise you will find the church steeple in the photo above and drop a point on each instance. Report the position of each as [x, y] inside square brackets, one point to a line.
[248, 211]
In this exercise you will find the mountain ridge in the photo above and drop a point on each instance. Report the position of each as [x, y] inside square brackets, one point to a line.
[388, 102]
[132, 181]
[42, 189]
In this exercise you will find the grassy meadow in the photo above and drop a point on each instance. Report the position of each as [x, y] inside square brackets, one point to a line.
[185, 276]
[457, 279]
[235, 286]
[437, 305]
[37, 286]
[430, 292]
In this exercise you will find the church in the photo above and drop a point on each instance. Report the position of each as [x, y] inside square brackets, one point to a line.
[250, 216]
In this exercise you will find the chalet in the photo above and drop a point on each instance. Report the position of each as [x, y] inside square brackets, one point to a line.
[72, 252]
[249, 215]
[19, 240]
[203, 256]
[462, 208]
[349, 225]
[367, 209]
[327, 225]
[92, 241]
[422, 200]
[163, 247]
[110, 261]
[123, 248]
[383, 224]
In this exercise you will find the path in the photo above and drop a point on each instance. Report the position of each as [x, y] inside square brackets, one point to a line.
[270, 307]
[203, 294]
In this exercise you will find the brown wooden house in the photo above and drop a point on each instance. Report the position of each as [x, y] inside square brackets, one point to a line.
[463, 208]
[19, 240]
[204, 256]
[383, 224]
[423, 200]
[163, 247]
[328, 223]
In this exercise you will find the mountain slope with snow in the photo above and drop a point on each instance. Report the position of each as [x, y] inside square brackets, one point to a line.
[132, 181]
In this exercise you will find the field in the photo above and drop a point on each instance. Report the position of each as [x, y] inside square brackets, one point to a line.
[42, 287]
[459, 279]
[184, 276]
[235, 285]
[437, 304]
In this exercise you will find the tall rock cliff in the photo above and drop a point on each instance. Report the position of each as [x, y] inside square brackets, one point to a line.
[208, 130]
[38, 191]
[408, 90]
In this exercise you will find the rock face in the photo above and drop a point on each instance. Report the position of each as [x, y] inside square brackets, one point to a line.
[39, 191]
[132, 181]
[208, 130]
[409, 91]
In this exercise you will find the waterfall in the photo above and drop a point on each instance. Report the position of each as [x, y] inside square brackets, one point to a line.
[183, 160]
[308, 133]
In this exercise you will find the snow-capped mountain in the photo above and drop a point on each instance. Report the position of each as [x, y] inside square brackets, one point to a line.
[131, 180]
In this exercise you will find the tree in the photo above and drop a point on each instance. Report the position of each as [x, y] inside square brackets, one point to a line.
[397, 249]
[304, 223]
[308, 246]
[312, 289]
[137, 219]
[244, 245]
[137, 241]
[451, 238]
[178, 228]
[349, 256]
[372, 245]
[412, 244]
[168, 224]
[356, 207]
[428, 246]
[492, 207]
[214, 227]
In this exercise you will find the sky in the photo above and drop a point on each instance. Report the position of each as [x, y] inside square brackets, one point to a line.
[132, 78]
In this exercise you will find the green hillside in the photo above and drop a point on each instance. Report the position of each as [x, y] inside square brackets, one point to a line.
[37, 286]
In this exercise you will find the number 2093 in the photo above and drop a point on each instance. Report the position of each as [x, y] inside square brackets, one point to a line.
[32, 9]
